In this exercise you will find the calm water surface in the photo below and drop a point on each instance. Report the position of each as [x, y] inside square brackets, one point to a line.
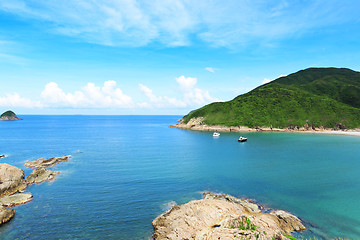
[125, 171]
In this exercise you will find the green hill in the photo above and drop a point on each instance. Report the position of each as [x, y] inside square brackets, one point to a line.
[9, 115]
[328, 97]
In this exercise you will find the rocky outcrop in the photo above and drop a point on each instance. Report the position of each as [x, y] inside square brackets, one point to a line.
[199, 125]
[47, 163]
[9, 116]
[223, 217]
[6, 214]
[2, 156]
[11, 179]
[16, 199]
[40, 175]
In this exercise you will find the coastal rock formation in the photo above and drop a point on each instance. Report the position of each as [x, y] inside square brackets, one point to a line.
[198, 125]
[2, 156]
[40, 175]
[6, 214]
[223, 217]
[47, 163]
[16, 199]
[9, 116]
[11, 179]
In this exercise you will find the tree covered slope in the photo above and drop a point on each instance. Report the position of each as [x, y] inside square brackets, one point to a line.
[328, 97]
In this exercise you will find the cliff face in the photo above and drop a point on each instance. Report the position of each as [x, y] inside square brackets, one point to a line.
[9, 116]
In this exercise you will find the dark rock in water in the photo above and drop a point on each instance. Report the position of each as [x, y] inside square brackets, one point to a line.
[9, 116]
[6, 214]
[11, 179]
[40, 175]
[2, 156]
[47, 163]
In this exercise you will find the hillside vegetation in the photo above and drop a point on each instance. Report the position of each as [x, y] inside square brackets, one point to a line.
[8, 114]
[328, 97]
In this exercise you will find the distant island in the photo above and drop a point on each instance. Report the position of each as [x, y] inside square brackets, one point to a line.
[9, 116]
[310, 99]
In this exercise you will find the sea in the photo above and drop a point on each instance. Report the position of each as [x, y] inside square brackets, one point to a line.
[126, 170]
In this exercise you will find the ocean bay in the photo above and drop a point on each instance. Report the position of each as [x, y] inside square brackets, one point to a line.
[126, 169]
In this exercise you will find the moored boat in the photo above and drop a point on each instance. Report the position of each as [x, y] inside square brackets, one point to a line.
[216, 134]
[242, 139]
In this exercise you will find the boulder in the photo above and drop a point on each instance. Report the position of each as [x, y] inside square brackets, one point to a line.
[223, 217]
[11, 179]
[16, 199]
[6, 214]
[2, 156]
[40, 175]
[47, 163]
[288, 221]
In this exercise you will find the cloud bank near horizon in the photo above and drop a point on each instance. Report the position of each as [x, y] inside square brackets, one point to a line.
[181, 22]
[109, 96]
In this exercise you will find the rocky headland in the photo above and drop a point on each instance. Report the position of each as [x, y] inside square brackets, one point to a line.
[13, 183]
[199, 125]
[9, 116]
[221, 216]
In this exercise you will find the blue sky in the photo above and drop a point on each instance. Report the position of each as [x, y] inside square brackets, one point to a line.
[162, 57]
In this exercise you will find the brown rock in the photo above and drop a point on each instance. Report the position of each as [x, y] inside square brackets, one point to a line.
[16, 199]
[40, 175]
[11, 179]
[6, 214]
[223, 217]
[288, 221]
[47, 163]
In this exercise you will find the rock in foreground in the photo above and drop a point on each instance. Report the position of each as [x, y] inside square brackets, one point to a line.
[16, 199]
[223, 217]
[9, 116]
[47, 163]
[40, 175]
[11, 179]
[6, 214]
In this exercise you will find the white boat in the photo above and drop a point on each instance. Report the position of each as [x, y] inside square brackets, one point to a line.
[216, 134]
[242, 139]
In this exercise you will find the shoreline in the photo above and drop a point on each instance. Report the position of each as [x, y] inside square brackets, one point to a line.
[197, 125]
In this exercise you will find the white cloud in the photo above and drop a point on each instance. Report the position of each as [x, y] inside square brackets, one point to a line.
[210, 69]
[15, 100]
[179, 22]
[149, 93]
[191, 96]
[186, 83]
[267, 80]
[90, 96]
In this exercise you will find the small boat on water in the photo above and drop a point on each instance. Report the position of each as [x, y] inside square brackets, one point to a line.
[242, 139]
[216, 134]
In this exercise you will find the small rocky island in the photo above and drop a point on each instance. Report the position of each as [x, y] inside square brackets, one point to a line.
[221, 216]
[9, 116]
[13, 183]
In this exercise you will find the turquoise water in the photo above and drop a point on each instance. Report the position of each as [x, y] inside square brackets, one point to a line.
[125, 171]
